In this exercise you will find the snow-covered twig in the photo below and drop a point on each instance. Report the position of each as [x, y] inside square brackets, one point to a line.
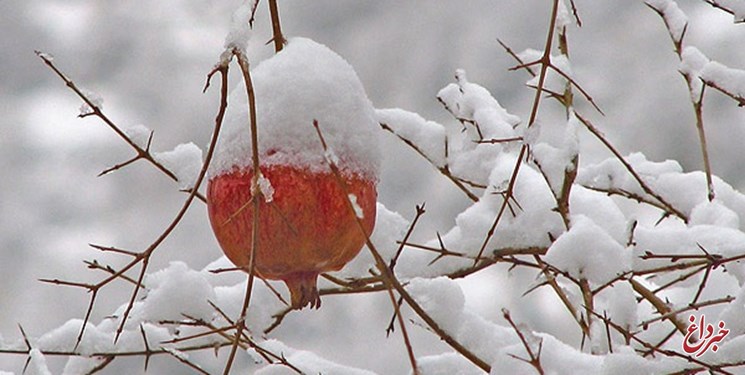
[599, 135]
[694, 85]
[545, 61]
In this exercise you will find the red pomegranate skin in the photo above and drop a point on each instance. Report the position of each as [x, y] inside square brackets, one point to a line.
[306, 229]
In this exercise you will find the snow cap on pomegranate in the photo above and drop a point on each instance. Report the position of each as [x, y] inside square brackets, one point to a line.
[306, 81]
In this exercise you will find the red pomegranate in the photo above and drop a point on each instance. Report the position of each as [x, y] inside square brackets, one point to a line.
[306, 229]
[305, 224]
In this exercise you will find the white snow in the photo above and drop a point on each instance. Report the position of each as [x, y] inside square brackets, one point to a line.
[443, 300]
[624, 360]
[139, 134]
[601, 209]
[727, 79]
[46, 56]
[94, 98]
[556, 161]
[175, 291]
[736, 6]
[263, 303]
[37, 364]
[734, 314]
[618, 303]
[692, 61]
[389, 228]
[357, 209]
[714, 213]
[330, 156]
[554, 81]
[529, 227]
[484, 119]
[684, 191]
[440, 297]
[184, 161]
[447, 364]
[563, 17]
[731, 350]
[587, 251]
[530, 55]
[429, 136]
[177, 353]
[64, 337]
[675, 19]
[699, 68]
[683, 240]
[240, 31]
[304, 82]
[472, 102]
[307, 362]
[266, 188]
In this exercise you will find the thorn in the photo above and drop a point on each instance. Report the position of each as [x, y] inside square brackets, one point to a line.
[25, 338]
[147, 346]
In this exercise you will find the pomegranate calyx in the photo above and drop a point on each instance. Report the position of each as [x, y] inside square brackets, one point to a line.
[303, 290]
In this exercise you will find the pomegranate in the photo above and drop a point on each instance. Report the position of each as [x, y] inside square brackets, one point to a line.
[305, 224]
[305, 230]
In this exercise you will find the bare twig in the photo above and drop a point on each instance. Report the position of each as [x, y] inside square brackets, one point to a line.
[551, 280]
[278, 38]
[534, 355]
[181, 357]
[599, 135]
[690, 307]
[144, 256]
[659, 305]
[419, 212]
[96, 110]
[388, 278]
[697, 103]
[255, 198]
[444, 169]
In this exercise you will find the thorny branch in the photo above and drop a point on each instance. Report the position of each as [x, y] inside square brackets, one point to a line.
[98, 112]
[278, 38]
[721, 6]
[545, 61]
[387, 276]
[144, 256]
[444, 170]
[696, 103]
[601, 137]
[534, 355]
[256, 199]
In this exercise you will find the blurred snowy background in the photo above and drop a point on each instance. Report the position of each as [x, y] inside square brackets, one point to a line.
[148, 61]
